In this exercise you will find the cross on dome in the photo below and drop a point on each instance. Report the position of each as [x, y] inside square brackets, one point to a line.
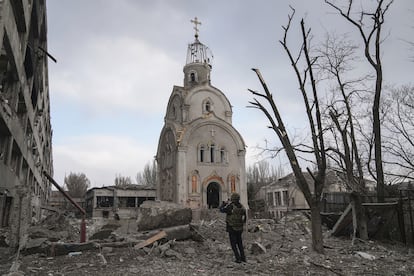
[195, 22]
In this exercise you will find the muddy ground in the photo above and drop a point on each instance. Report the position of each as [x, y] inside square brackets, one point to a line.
[272, 248]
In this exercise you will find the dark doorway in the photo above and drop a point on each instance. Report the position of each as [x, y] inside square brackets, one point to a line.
[213, 195]
[7, 201]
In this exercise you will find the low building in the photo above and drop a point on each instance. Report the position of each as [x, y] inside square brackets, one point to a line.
[106, 202]
[284, 195]
[59, 201]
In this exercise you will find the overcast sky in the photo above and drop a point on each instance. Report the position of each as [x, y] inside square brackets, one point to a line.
[117, 62]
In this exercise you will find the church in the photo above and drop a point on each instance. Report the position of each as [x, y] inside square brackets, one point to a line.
[200, 156]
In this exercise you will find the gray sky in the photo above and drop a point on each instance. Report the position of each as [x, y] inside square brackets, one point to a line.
[118, 62]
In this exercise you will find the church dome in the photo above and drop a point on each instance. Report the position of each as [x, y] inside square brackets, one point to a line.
[198, 64]
[198, 53]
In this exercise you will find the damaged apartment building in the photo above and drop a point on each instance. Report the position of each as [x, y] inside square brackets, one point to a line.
[25, 129]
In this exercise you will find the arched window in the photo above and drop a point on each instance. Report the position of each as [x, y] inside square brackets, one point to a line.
[194, 184]
[223, 155]
[202, 152]
[233, 183]
[212, 153]
[192, 77]
[207, 106]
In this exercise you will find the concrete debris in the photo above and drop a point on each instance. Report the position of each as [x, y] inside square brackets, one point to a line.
[76, 253]
[282, 249]
[365, 255]
[106, 250]
[104, 262]
[160, 214]
[257, 248]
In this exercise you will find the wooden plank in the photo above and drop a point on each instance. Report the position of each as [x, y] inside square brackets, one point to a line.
[343, 221]
[383, 204]
[156, 237]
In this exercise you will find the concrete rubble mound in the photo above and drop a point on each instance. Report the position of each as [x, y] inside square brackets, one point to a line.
[160, 214]
[272, 247]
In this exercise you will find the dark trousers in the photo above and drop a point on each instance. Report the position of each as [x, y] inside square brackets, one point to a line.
[237, 245]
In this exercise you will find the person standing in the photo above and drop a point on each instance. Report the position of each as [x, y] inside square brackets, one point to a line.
[235, 219]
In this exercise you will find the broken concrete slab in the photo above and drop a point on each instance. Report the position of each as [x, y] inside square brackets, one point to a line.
[106, 249]
[57, 249]
[38, 245]
[105, 231]
[179, 233]
[45, 247]
[257, 248]
[365, 255]
[101, 234]
[160, 214]
[36, 232]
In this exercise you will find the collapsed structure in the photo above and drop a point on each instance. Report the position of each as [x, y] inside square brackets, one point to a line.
[25, 129]
[201, 156]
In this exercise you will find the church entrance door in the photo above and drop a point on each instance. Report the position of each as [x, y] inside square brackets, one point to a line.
[213, 195]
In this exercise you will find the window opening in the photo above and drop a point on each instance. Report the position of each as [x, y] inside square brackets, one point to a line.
[222, 155]
[212, 150]
[202, 150]
[194, 184]
[233, 184]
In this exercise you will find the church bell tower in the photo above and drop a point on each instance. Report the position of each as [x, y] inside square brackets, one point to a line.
[201, 156]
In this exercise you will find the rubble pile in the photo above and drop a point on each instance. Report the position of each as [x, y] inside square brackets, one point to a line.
[159, 214]
[272, 248]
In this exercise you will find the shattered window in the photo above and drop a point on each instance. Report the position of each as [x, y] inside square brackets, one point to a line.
[270, 199]
[104, 201]
[122, 202]
[278, 199]
[285, 198]
[130, 202]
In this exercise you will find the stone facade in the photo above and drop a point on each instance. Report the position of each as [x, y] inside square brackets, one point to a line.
[201, 156]
[25, 130]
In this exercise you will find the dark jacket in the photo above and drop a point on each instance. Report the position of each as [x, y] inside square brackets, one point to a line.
[235, 215]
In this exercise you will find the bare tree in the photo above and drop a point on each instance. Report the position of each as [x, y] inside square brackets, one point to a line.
[77, 184]
[369, 25]
[399, 137]
[336, 54]
[305, 79]
[122, 180]
[148, 176]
